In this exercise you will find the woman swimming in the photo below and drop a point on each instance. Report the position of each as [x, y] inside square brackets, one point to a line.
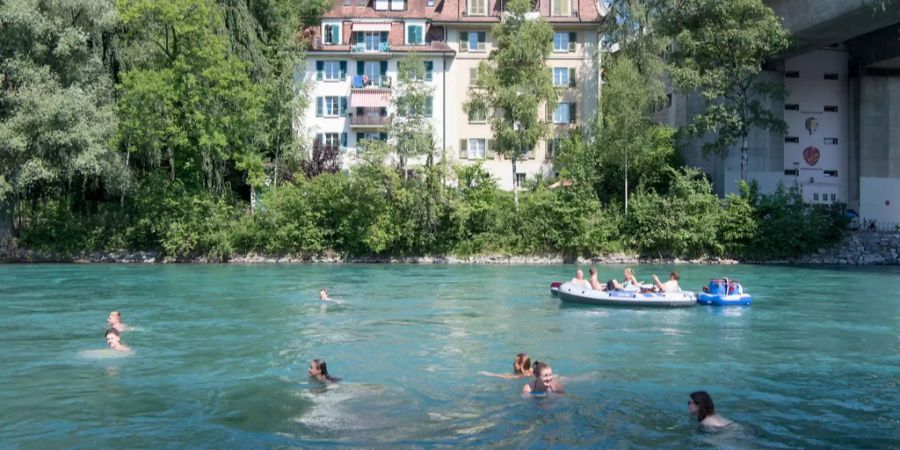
[543, 381]
[521, 368]
[318, 371]
[701, 406]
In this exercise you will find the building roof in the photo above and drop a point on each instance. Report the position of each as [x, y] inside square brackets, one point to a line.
[583, 11]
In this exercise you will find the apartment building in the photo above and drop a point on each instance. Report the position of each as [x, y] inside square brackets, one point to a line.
[353, 62]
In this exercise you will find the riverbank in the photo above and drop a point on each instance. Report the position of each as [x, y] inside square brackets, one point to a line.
[856, 248]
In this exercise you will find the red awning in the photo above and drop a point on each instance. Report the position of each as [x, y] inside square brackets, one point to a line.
[372, 26]
[363, 98]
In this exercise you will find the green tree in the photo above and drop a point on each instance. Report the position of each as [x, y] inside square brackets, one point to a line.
[516, 82]
[411, 126]
[719, 51]
[185, 99]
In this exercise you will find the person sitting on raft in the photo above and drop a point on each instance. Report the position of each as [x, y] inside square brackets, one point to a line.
[318, 371]
[113, 340]
[543, 381]
[579, 279]
[115, 322]
[521, 368]
[595, 283]
[701, 406]
[668, 286]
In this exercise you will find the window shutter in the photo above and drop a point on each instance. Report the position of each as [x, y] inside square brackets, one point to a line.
[463, 149]
[463, 41]
[359, 138]
[343, 107]
[473, 76]
[383, 68]
[344, 140]
[429, 106]
[482, 38]
[382, 136]
[548, 152]
[572, 77]
[489, 152]
[429, 70]
[320, 138]
[343, 70]
[572, 111]
[320, 67]
[360, 67]
[573, 40]
[320, 105]
[549, 111]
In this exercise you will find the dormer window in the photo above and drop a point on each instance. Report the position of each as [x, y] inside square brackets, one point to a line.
[331, 33]
[477, 8]
[562, 7]
[398, 5]
[415, 34]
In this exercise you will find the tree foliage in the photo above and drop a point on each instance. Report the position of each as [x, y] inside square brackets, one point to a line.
[719, 50]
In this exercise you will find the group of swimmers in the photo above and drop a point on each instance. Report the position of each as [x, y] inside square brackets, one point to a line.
[114, 332]
[629, 281]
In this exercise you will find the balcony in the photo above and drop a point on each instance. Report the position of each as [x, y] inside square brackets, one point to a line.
[368, 118]
[362, 47]
[364, 82]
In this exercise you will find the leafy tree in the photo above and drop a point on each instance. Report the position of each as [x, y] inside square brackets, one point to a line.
[56, 114]
[515, 83]
[185, 99]
[719, 49]
[411, 126]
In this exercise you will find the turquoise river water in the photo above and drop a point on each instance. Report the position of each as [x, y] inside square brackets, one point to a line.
[221, 353]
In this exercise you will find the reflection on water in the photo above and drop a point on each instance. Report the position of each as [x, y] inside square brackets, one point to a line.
[222, 352]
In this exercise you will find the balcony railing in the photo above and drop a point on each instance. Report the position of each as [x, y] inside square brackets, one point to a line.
[361, 47]
[362, 82]
[368, 120]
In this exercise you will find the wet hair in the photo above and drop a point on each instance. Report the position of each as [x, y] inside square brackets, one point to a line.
[593, 271]
[675, 275]
[117, 314]
[522, 363]
[539, 367]
[705, 406]
[323, 369]
[112, 331]
[323, 290]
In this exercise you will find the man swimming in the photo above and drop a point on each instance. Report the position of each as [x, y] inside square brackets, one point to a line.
[113, 341]
[115, 322]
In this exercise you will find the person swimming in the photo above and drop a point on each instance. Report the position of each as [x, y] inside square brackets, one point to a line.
[521, 368]
[543, 381]
[701, 406]
[113, 340]
[115, 322]
[318, 371]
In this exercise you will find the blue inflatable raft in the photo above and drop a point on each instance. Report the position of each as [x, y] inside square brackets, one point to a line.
[724, 292]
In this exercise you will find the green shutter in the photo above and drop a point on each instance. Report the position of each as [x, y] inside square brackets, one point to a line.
[429, 70]
[572, 111]
[429, 106]
[482, 38]
[489, 152]
[320, 67]
[383, 68]
[572, 77]
[463, 41]
[360, 67]
[344, 140]
[343, 106]
[320, 138]
[573, 40]
[463, 149]
[320, 106]
[549, 111]
[343, 70]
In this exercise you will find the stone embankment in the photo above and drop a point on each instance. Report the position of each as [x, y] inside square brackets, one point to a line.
[861, 248]
[857, 248]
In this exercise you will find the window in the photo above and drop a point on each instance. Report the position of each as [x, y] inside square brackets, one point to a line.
[561, 113]
[552, 148]
[472, 41]
[520, 179]
[477, 8]
[560, 41]
[372, 69]
[562, 7]
[331, 34]
[381, 5]
[831, 108]
[560, 76]
[477, 114]
[792, 107]
[331, 139]
[332, 70]
[792, 74]
[430, 3]
[831, 141]
[331, 106]
[371, 40]
[792, 139]
[398, 5]
[418, 110]
[415, 34]
[476, 148]
[473, 77]
[831, 76]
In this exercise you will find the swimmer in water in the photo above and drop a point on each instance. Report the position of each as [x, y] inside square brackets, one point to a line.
[521, 368]
[543, 381]
[318, 371]
[115, 322]
[701, 406]
[114, 342]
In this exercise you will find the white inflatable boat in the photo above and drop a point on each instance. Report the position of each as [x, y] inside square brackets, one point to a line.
[570, 293]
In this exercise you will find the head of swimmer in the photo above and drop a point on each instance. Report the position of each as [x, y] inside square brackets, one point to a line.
[700, 405]
[113, 338]
[323, 294]
[114, 318]
[579, 274]
[318, 368]
[522, 364]
[543, 373]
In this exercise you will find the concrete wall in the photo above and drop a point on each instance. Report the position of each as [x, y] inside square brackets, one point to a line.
[879, 141]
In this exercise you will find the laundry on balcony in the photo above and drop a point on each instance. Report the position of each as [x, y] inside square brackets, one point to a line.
[358, 82]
